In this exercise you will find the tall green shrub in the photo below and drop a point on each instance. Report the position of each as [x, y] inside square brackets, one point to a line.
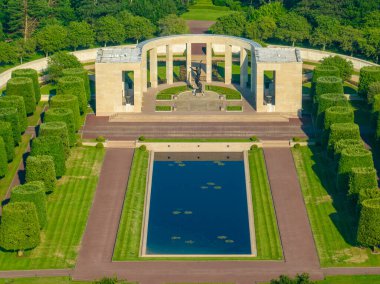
[346, 143]
[74, 86]
[360, 178]
[373, 90]
[326, 101]
[63, 115]
[328, 85]
[338, 114]
[7, 135]
[352, 158]
[41, 168]
[70, 102]
[18, 103]
[32, 192]
[369, 229]
[32, 74]
[368, 75]
[3, 159]
[50, 146]
[367, 193]
[323, 71]
[23, 87]
[339, 131]
[19, 228]
[57, 129]
[376, 104]
[80, 73]
[10, 115]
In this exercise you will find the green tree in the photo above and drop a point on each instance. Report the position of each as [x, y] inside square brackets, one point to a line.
[349, 39]
[25, 48]
[293, 28]
[274, 10]
[8, 53]
[60, 61]
[371, 43]
[61, 10]
[136, 27]
[346, 67]
[372, 19]
[261, 29]
[326, 31]
[109, 30]
[154, 10]
[171, 25]
[52, 38]
[19, 229]
[373, 90]
[80, 34]
[233, 25]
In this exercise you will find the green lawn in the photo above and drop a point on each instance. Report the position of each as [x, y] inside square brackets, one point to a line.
[128, 240]
[49, 89]
[67, 210]
[204, 10]
[229, 93]
[33, 119]
[351, 279]
[47, 280]
[195, 140]
[235, 70]
[163, 108]
[6, 181]
[332, 216]
[234, 108]
[161, 71]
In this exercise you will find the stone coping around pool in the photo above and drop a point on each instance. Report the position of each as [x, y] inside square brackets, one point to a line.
[144, 231]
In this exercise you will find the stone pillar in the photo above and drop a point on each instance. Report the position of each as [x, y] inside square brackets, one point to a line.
[169, 64]
[153, 67]
[144, 72]
[243, 67]
[188, 62]
[253, 72]
[137, 92]
[209, 62]
[228, 65]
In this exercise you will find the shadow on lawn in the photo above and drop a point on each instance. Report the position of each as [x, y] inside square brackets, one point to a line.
[345, 218]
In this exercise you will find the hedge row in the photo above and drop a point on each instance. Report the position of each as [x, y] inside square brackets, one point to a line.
[3, 159]
[7, 135]
[73, 86]
[50, 146]
[19, 104]
[368, 75]
[338, 114]
[70, 102]
[63, 115]
[346, 143]
[80, 73]
[329, 84]
[339, 131]
[362, 178]
[41, 168]
[23, 87]
[33, 192]
[323, 71]
[59, 130]
[32, 74]
[10, 115]
[369, 229]
[326, 101]
[367, 193]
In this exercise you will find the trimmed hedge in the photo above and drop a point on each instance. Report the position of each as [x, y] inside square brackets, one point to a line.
[73, 86]
[368, 75]
[32, 74]
[369, 229]
[338, 114]
[376, 104]
[68, 101]
[6, 134]
[41, 168]
[19, 229]
[368, 193]
[57, 129]
[326, 101]
[50, 146]
[339, 131]
[360, 178]
[32, 192]
[10, 115]
[80, 73]
[3, 159]
[377, 133]
[19, 104]
[373, 90]
[64, 115]
[346, 143]
[329, 84]
[23, 87]
[350, 158]
[323, 71]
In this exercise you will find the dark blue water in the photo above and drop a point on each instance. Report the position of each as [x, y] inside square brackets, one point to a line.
[198, 207]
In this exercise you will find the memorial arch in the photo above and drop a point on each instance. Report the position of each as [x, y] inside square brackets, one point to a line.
[122, 72]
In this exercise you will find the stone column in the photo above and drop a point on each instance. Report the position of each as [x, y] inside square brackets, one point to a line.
[243, 67]
[253, 72]
[209, 62]
[153, 67]
[188, 62]
[228, 65]
[169, 64]
[144, 71]
[137, 92]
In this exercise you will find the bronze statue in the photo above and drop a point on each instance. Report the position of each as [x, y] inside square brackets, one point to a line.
[197, 77]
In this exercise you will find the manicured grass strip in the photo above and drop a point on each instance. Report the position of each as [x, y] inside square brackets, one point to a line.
[332, 215]
[351, 279]
[48, 280]
[267, 234]
[173, 90]
[129, 235]
[6, 181]
[164, 97]
[33, 119]
[195, 140]
[67, 210]
[229, 93]
[163, 108]
[234, 108]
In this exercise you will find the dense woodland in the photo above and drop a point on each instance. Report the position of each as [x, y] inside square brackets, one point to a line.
[47, 26]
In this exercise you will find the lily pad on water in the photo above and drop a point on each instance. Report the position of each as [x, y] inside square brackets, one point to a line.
[188, 212]
[189, 242]
[175, 238]
[204, 187]
[176, 212]
[217, 187]
[222, 237]
[229, 241]
[211, 183]
[181, 165]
